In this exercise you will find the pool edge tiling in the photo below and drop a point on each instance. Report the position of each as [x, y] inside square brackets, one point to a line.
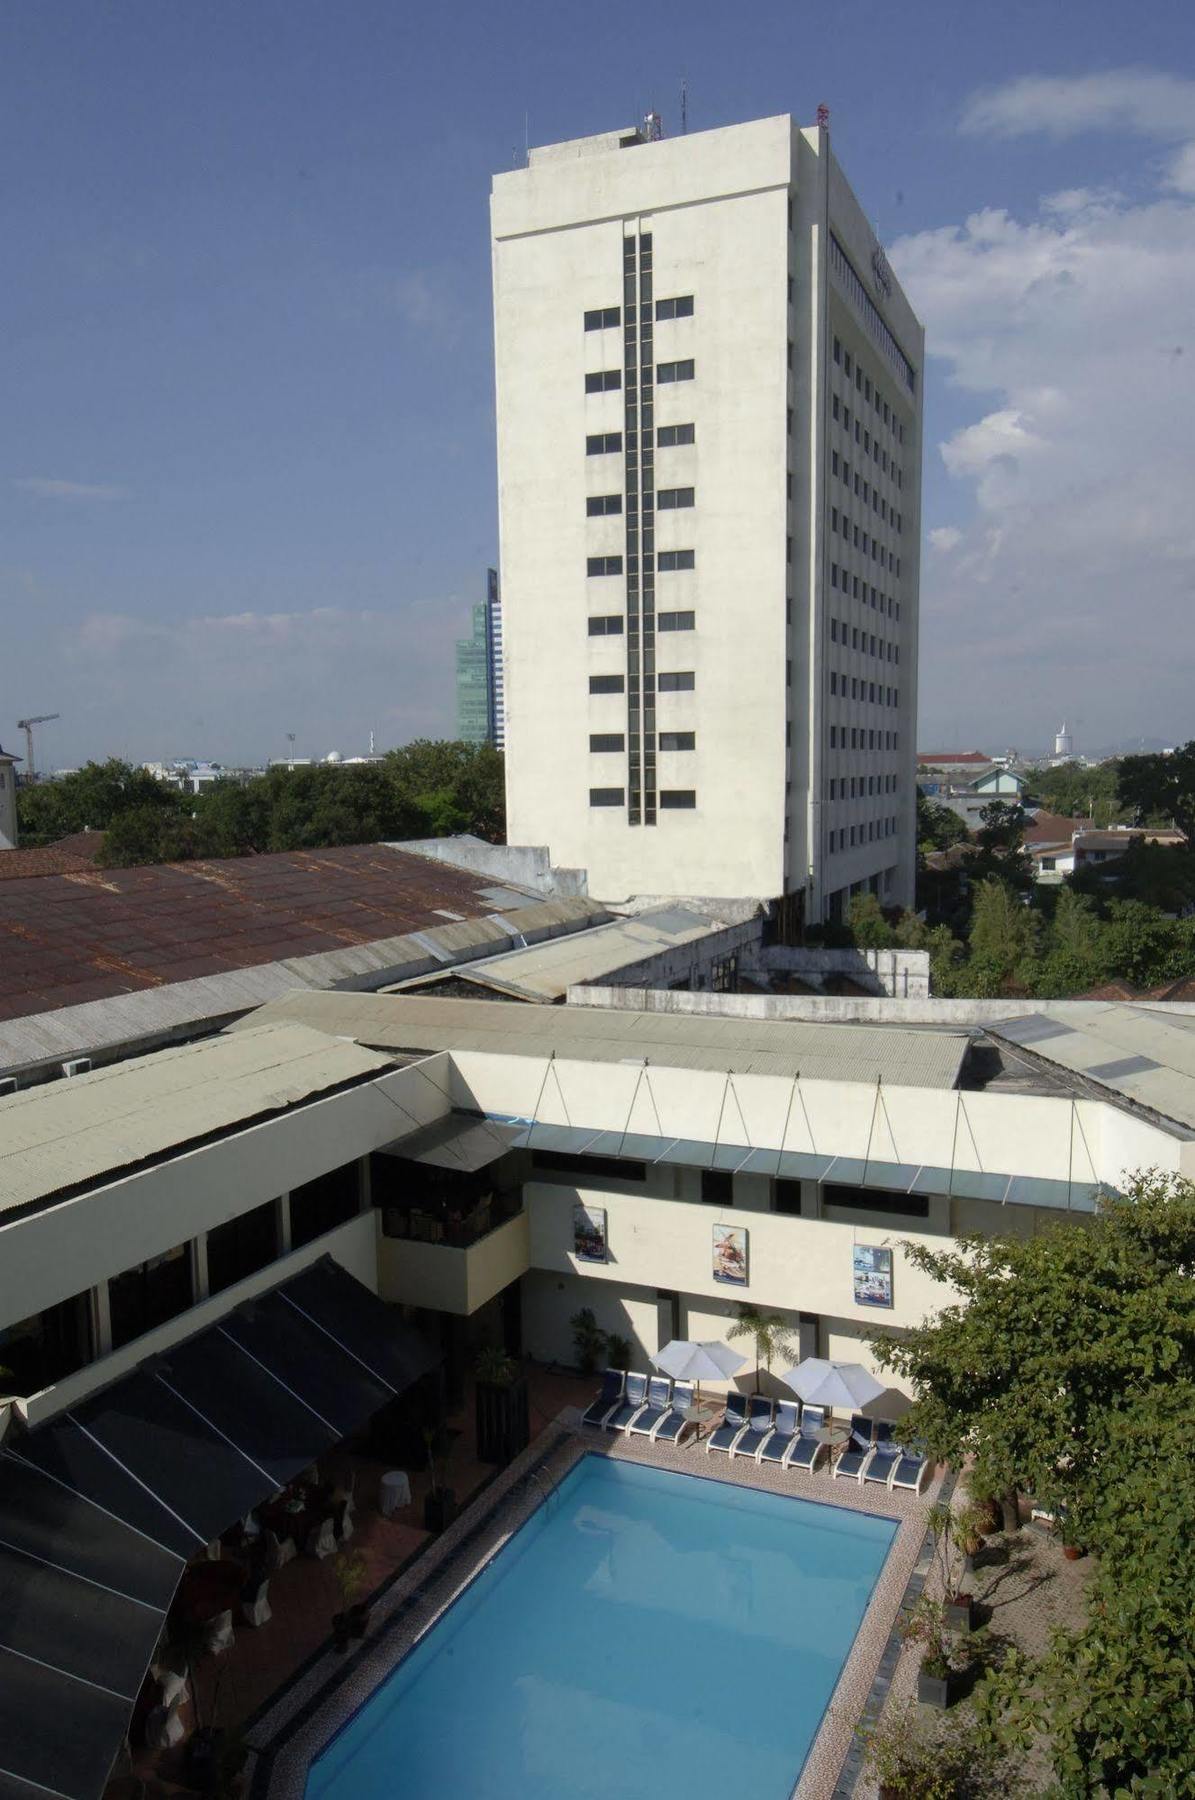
[305, 1719]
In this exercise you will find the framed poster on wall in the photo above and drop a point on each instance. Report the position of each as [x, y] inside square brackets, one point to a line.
[589, 1233]
[873, 1275]
[730, 1255]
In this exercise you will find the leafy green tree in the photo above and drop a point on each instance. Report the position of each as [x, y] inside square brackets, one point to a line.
[869, 928]
[146, 834]
[1004, 936]
[771, 1337]
[1077, 792]
[1000, 846]
[937, 827]
[90, 799]
[1161, 786]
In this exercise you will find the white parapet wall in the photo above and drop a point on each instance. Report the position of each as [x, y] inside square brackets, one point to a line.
[898, 974]
[836, 1009]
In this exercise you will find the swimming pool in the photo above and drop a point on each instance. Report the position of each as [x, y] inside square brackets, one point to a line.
[645, 1633]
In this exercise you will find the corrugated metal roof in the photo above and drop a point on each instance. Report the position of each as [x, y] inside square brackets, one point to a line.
[66, 1134]
[1141, 1052]
[99, 1025]
[818, 1051]
[544, 972]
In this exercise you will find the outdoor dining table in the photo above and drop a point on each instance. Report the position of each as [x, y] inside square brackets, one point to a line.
[836, 1435]
[699, 1414]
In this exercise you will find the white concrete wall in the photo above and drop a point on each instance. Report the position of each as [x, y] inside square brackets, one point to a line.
[75, 1245]
[899, 974]
[449, 1279]
[551, 1298]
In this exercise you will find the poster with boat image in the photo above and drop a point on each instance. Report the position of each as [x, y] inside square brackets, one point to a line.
[730, 1255]
[589, 1233]
[873, 1275]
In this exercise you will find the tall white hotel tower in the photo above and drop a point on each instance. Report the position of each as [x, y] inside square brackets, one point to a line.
[709, 455]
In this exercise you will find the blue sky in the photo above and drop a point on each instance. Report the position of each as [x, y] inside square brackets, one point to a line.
[248, 477]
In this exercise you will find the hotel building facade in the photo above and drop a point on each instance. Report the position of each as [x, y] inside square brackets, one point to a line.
[709, 452]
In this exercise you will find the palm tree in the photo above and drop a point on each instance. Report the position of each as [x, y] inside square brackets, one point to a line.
[771, 1337]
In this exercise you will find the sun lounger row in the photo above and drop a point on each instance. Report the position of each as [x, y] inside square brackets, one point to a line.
[789, 1434]
[653, 1408]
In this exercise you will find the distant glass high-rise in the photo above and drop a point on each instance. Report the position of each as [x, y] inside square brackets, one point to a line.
[480, 714]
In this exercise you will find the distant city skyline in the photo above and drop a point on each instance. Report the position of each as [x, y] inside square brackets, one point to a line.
[254, 484]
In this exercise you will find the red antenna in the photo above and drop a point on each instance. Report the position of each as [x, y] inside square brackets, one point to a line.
[823, 116]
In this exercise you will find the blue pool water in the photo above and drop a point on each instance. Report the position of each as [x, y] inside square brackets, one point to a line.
[646, 1633]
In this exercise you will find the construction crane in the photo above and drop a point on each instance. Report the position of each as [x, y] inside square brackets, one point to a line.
[26, 725]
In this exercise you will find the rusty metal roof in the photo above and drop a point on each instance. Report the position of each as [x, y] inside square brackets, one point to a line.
[90, 934]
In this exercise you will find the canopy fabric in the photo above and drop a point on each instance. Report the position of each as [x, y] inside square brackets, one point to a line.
[101, 1508]
[688, 1361]
[823, 1383]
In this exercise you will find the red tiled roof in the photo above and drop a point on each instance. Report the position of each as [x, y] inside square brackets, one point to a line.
[1053, 828]
[953, 757]
[87, 934]
[47, 859]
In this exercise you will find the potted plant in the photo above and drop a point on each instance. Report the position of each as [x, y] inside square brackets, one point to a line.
[618, 1351]
[589, 1340]
[503, 1409]
[947, 1527]
[439, 1503]
[902, 1758]
[926, 1625]
[770, 1335]
[351, 1574]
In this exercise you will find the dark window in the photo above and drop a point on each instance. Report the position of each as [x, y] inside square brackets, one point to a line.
[323, 1204]
[605, 625]
[606, 740]
[242, 1246]
[678, 740]
[600, 318]
[38, 1351]
[605, 684]
[676, 681]
[675, 559]
[603, 443]
[599, 504]
[606, 796]
[668, 435]
[876, 1200]
[561, 1162]
[143, 1298]
[680, 308]
[837, 351]
[675, 371]
[678, 799]
[603, 565]
[717, 1187]
[601, 381]
[670, 499]
[786, 1197]
[675, 621]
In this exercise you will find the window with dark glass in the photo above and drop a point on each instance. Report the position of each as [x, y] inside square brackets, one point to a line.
[562, 1162]
[678, 799]
[671, 499]
[606, 684]
[600, 318]
[603, 565]
[242, 1246]
[602, 381]
[717, 1187]
[675, 559]
[679, 308]
[675, 371]
[142, 1298]
[605, 625]
[876, 1200]
[669, 435]
[600, 742]
[678, 740]
[603, 443]
[676, 621]
[38, 1351]
[323, 1204]
[606, 796]
[676, 681]
[597, 505]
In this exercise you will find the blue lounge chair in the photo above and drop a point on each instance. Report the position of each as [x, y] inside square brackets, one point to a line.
[883, 1458]
[634, 1396]
[674, 1422]
[807, 1449]
[599, 1410]
[780, 1439]
[659, 1402]
[910, 1470]
[734, 1420]
[760, 1416]
[858, 1448]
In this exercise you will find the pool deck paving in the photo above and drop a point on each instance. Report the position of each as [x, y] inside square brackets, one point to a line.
[289, 1734]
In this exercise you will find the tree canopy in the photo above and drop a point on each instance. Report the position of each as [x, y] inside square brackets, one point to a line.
[1066, 1368]
[1161, 786]
[428, 789]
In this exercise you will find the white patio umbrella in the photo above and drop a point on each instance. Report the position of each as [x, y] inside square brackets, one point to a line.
[687, 1361]
[831, 1384]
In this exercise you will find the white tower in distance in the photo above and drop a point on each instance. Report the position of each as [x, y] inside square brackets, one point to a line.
[8, 800]
[1064, 743]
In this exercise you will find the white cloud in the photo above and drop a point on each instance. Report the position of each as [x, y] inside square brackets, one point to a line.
[945, 538]
[1071, 331]
[1146, 101]
[42, 487]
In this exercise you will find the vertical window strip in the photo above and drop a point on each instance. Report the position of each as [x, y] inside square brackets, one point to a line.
[633, 448]
[647, 522]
